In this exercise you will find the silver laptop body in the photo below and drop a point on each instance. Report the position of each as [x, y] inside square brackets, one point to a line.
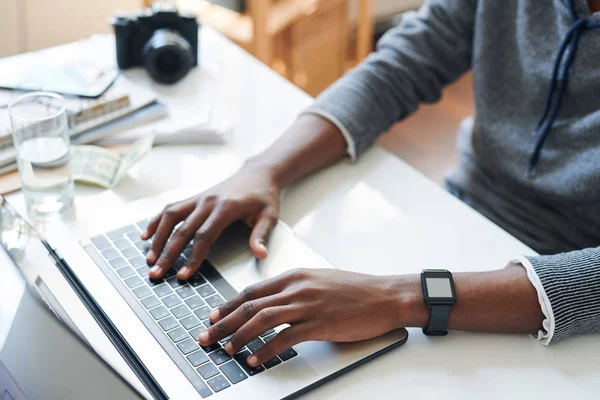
[144, 354]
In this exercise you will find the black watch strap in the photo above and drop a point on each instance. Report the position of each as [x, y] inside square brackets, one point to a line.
[438, 320]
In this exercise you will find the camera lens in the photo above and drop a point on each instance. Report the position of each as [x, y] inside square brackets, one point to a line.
[167, 56]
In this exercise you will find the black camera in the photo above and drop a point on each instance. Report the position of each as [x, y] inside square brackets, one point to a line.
[160, 39]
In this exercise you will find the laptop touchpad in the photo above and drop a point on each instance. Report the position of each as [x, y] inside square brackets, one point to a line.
[232, 256]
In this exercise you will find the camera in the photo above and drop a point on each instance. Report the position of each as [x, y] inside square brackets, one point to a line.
[159, 39]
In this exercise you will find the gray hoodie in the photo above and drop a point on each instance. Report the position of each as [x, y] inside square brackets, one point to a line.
[535, 175]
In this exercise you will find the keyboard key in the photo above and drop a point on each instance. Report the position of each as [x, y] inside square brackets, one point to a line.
[138, 261]
[205, 290]
[272, 362]
[153, 282]
[171, 301]
[202, 312]
[175, 283]
[150, 302]
[142, 292]
[226, 339]
[218, 383]
[207, 323]
[142, 245]
[129, 252]
[194, 302]
[134, 282]
[170, 273]
[143, 224]
[211, 348]
[180, 311]
[241, 359]
[118, 262]
[119, 233]
[185, 291]
[168, 323]
[215, 301]
[143, 271]
[233, 372]
[201, 387]
[267, 333]
[179, 263]
[287, 354]
[268, 338]
[195, 333]
[219, 356]
[255, 345]
[187, 346]
[100, 242]
[190, 322]
[208, 370]
[197, 358]
[177, 335]
[163, 290]
[134, 236]
[121, 244]
[125, 272]
[159, 312]
[110, 253]
[196, 280]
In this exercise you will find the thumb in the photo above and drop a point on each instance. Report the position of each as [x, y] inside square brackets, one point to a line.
[260, 234]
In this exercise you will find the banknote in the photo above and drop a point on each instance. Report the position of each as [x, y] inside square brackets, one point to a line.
[98, 166]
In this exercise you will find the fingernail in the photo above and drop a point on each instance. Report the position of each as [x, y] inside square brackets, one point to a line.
[183, 271]
[252, 360]
[229, 348]
[203, 337]
[214, 314]
[155, 269]
[263, 247]
[150, 255]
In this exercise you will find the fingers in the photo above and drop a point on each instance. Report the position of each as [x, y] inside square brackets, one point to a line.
[285, 339]
[152, 225]
[171, 216]
[204, 238]
[260, 234]
[259, 290]
[181, 237]
[238, 318]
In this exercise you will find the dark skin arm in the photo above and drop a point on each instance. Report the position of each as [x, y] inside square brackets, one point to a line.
[327, 305]
[252, 195]
[339, 306]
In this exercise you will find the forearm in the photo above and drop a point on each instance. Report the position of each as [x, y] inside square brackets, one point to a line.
[310, 144]
[502, 301]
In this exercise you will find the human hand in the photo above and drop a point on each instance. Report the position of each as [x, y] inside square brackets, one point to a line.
[252, 195]
[325, 305]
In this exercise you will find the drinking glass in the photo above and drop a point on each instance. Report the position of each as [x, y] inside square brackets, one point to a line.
[41, 139]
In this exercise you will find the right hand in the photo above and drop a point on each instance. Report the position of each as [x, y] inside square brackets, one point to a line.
[252, 195]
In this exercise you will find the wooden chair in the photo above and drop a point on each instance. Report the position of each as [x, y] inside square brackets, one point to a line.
[306, 41]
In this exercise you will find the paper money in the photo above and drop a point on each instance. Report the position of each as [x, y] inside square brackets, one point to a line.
[97, 166]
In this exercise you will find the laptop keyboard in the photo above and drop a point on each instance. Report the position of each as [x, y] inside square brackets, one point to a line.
[175, 312]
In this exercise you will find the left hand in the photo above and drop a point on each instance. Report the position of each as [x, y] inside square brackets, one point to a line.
[324, 304]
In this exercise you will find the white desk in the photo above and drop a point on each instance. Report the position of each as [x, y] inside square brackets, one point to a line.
[378, 216]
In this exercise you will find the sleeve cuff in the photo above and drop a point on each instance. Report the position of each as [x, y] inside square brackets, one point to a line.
[351, 146]
[544, 335]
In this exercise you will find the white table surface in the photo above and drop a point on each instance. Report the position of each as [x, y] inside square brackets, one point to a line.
[378, 216]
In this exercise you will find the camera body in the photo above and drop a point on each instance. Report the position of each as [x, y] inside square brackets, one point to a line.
[159, 39]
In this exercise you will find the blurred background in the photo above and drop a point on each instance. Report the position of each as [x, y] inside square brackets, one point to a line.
[309, 42]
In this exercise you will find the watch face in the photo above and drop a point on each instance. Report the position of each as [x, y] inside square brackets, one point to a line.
[439, 288]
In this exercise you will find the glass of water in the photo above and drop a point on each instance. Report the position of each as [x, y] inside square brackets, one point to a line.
[41, 139]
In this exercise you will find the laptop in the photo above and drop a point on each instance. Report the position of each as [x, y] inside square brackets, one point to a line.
[93, 276]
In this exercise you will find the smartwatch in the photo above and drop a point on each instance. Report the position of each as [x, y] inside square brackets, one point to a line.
[439, 295]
